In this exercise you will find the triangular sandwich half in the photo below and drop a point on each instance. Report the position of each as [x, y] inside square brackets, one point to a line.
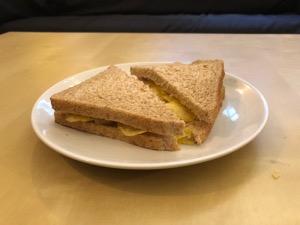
[119, 106]
[193, 91]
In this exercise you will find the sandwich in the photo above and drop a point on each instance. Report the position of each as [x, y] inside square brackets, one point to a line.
[156, 106]
[119, 106]
[194, 92]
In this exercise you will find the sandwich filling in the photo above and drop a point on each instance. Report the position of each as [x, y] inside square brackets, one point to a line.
[127, 130]
[180, 110]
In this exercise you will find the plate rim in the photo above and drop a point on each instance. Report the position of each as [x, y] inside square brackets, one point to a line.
[143, 166]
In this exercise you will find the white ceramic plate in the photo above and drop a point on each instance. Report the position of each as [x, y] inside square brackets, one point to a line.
[242, 117]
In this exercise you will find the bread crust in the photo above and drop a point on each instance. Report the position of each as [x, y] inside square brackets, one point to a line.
[145, 140]
[197, 85]
[201, 129]
[116, 96]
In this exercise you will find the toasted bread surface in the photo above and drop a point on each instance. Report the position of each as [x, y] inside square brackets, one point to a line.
[116, 96]
[197, 85]
[145, 140]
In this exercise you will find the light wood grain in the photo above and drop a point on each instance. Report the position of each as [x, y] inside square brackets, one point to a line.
[40, 186]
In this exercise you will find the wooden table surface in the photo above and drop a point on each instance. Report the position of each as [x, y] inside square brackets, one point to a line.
[258, 184]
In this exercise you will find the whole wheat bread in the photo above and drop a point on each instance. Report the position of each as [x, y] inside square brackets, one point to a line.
[198, 85]
[116, 96]
[201, 129]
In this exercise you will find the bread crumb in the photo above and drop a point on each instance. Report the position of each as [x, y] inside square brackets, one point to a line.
[275, 175]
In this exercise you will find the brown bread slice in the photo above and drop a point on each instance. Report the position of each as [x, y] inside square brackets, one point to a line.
[201, 129]
[116, 96]
[198, 86]
[181, 78]
[145, 140]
